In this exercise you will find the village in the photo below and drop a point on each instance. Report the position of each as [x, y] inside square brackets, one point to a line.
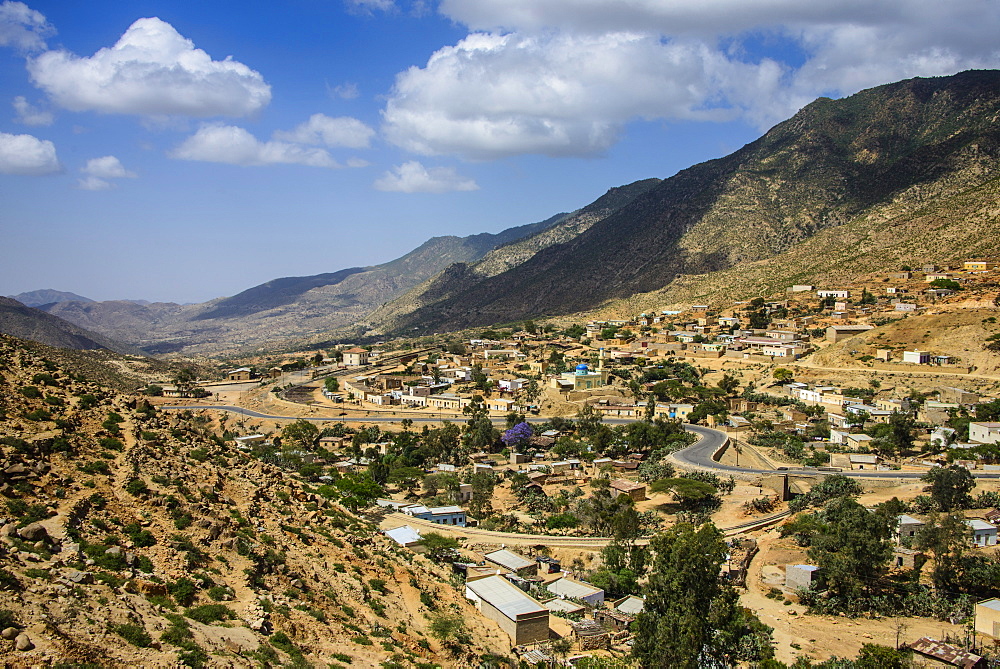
[803, 387]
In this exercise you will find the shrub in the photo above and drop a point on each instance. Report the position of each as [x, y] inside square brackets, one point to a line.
[30, 392]
[134, 634]
[96, 467]
[210, 613]
[183, 590]
[136, 487]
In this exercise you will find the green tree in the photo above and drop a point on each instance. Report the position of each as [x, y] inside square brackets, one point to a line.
[301, 433]
[438, 547]
[875, 656]
[690, 618]
[949, 487]
[852, 550]
[783, 375]
[357, 490]
[945, 536]
[894, 437]
[332, 384]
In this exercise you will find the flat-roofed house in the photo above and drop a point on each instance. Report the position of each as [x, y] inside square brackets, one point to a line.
[636, 491]
[512, 562]
[988, 617]
[520, 616]
[983, 533]
[355, 357]
[441, 515]
[907, 526]
[571, 589]
[984, 433]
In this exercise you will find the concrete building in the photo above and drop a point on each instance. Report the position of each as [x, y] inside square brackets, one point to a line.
[512, 562]
[405, 536]
[520, 616]
[241, 374]
[907, 526]
[636, 491]
[983, 533]
[916, 357]
[800, 576]
[988, 617]
[440, 515]
[355, 357]
[984, 433]
[586, 593]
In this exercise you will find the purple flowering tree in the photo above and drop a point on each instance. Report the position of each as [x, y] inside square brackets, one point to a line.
[517, 436]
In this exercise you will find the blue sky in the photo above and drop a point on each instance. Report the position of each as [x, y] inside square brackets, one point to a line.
[181, 151]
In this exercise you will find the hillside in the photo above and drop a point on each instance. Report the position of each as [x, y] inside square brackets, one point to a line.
[135, 537]
[459, 276]
[290, 307]
[25, 322]
[37, 298]
[889, 152]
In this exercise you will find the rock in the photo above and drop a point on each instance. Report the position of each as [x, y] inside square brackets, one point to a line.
[10, 633]
[18, 471]
[114, 551]
[77, 576]
[71, 548]
[23, 642]
[297, 583]
[9, 530]
[33, 532]
[129, 558]
[39, 545]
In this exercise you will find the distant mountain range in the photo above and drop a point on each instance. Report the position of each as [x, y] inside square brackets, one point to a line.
[37, 298]
[24, 322]
[843, 185]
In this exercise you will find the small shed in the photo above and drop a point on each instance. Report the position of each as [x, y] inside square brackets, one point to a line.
[983, 533]
[591, 634]
[946, 655]
[907, 526]
[513, 562]
[584, 592]
[636, 491]
[988, 617]
[800, 576]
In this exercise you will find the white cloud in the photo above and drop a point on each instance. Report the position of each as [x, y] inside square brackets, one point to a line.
[495, 95]
[322, 130]
[107, 167]
[98, 171]
[371, 5]
[94, 183]
[412, 177]
[22, 27]
[28, 114]
[565, 77]
[235, 146]
[25, 154]
[151, 70]
[346, 91]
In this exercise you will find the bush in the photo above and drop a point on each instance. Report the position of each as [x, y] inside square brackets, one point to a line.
[183, 590]
[134, 634]
[30, 392]
[210, 613]
[136, 487]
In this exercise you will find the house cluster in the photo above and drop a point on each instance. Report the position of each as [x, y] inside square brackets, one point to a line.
[521, 594]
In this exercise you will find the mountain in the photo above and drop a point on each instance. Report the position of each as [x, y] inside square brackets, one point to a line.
[37, 298]
[285, 308]
[459, 276]
[24, 322]
[884, 153]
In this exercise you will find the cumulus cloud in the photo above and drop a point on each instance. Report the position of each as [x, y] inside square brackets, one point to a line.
[412, 177]
[28, 114]
[26, 154]
[346, 91]
[99, 171]
[565, 77]
[495, 95]
[151, 70]
[22, 27]
[236, 146]
[322, 130]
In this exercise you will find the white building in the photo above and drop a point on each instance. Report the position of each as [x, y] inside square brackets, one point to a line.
[984, 433]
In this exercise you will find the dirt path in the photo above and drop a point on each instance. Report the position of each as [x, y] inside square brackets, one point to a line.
[820, 636]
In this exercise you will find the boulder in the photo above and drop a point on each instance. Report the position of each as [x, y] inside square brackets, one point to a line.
[23, 642]
[33, 532]
[114, 551]
[9, 634]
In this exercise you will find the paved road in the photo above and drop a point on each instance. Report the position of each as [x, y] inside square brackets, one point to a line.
[700, 454]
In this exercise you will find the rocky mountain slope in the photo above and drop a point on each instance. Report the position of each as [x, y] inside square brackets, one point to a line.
[135, 537]
[460, 276]
[290, 307]
[25, 322]
[885, 153]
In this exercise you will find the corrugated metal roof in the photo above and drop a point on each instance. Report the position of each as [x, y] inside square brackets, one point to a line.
[568, 588]
[403, 535]
[991, 604]
[631, 605]
[506, 598]
[562, 605]
[509, 560]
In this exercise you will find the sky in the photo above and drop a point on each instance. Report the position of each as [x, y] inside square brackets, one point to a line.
[180, 151]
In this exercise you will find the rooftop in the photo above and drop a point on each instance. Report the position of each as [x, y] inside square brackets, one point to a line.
[505, 597]
[509, 560]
